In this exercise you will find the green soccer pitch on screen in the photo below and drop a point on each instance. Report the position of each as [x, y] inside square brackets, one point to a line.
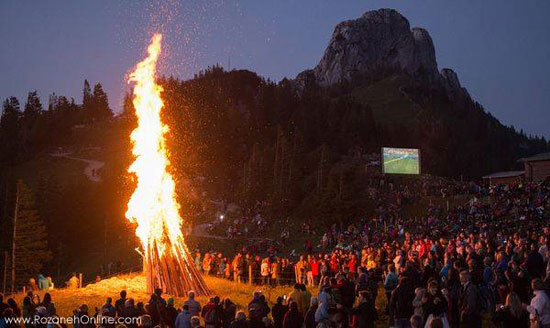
[400, 160]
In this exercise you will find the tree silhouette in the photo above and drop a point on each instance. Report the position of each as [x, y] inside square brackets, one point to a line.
[100, 108]
[31, 239]
[9, 131]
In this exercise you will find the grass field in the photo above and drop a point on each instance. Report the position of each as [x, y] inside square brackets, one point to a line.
[401, 164]
[66, 300]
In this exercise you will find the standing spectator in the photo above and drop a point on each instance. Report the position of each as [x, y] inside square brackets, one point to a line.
[401, 308]
[322, 315]
[275, 272]
[130, 312]
[240, 321]
[512, 314]
[539, 309]
[229, 310]
[194, 306]
[434, 304]
[469, 304]
[183, 320]
[309, 318]
[299, 269]
[264, 271]
[315, 270]
[168, 314]
[212, 313]
[109, 308]
[364, 314]
[278, 312]
[391, 281]
[120, 303]
[293, 318]
[13, 306]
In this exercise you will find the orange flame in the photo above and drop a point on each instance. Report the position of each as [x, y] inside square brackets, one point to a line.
[153, 205]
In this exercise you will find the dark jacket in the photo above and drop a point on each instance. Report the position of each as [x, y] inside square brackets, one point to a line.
[401, 302]
[430, 307]
[278, 313]
[168, 316]
[365, 315]
[228, 314]
[211, 313]
[309, 318]
[293, 318]
[470, 307]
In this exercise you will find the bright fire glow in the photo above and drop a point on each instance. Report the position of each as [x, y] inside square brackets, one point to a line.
[153, 205]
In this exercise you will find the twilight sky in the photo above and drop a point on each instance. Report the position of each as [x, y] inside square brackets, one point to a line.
[499, 48]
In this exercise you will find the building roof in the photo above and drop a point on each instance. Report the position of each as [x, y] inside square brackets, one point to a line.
[505, 174]
[537, 157]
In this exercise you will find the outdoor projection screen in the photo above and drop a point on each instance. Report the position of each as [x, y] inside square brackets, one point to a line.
[400, 160]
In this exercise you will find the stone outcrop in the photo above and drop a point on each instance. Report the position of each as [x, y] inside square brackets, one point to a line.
[380, 39]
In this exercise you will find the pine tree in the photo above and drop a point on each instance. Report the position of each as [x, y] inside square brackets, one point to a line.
[9, 131]
[31, 128]
[31, 239]
[100, 107]
[87, 100]
[33, 107]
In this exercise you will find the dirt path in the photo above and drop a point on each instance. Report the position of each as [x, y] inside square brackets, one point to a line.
[91, 170]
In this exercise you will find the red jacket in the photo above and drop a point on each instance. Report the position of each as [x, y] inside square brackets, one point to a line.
[315, 267]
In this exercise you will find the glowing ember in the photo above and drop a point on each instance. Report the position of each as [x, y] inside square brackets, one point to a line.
[153, 205]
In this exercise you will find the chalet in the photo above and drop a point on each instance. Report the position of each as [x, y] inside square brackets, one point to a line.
[537, 168]
[506, 177]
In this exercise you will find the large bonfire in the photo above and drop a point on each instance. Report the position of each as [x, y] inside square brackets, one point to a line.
[153, 206]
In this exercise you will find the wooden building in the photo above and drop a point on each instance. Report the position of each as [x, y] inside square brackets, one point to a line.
[506, 177]
[537, 168]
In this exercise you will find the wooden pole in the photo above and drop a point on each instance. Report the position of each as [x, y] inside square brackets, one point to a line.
[16, 214]
[5, 272]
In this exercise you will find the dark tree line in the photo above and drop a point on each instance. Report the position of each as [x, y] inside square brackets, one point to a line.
[29, 130]
[303, 151]
[52, 215]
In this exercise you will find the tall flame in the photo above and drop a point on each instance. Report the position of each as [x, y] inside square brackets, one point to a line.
[153, 205]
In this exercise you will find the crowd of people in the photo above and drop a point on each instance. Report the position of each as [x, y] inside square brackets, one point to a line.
[482, 257]
[484, 260]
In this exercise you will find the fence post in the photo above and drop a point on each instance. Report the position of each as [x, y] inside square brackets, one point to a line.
[80, 280]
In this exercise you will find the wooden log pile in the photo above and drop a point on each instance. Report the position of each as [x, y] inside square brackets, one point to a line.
[172, 270]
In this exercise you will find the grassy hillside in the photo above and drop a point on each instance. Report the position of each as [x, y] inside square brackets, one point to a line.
[66, 300]
[388, 103]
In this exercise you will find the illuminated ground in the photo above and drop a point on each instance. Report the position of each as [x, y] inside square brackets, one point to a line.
[66, 300]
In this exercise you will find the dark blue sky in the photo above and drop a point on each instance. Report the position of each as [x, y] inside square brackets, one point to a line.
[499, 48]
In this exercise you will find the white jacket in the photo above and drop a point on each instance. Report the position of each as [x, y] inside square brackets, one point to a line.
[540, 304]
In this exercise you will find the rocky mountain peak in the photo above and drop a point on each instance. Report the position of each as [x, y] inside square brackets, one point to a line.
[379, 39]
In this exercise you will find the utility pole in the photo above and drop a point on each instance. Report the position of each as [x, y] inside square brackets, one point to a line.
[16, 214]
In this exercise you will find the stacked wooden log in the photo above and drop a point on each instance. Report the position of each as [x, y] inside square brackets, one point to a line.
[171, 268]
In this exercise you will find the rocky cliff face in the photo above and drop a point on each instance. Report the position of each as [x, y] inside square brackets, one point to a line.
[379, 39]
